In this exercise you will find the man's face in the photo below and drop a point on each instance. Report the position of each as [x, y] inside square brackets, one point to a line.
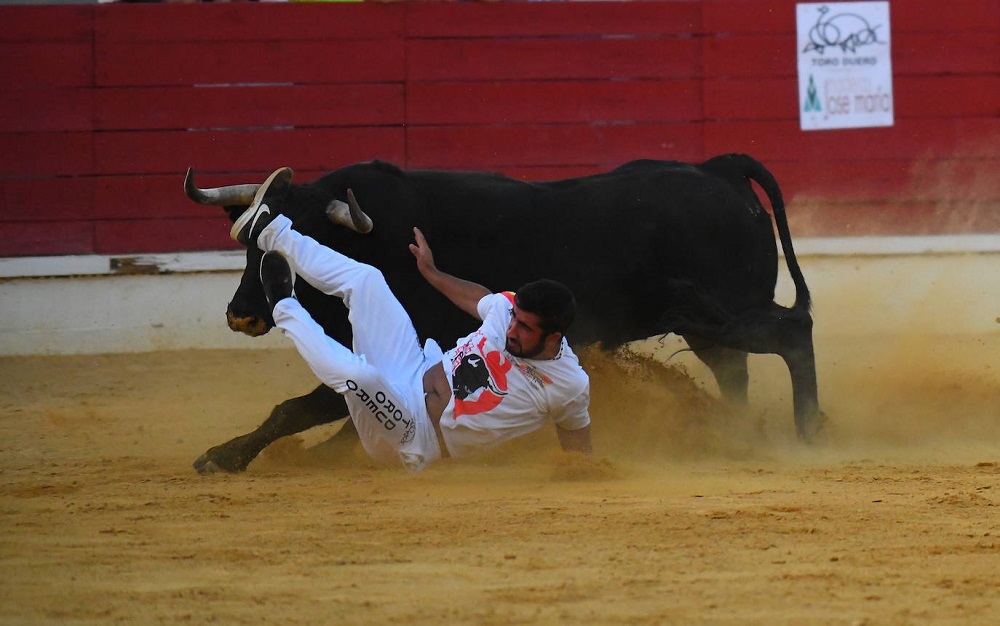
[525, 337]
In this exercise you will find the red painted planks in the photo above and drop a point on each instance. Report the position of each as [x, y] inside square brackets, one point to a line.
[46, 238]
[46, 154]
[174, 108]
[107, 197]
[908, 139]
[250, 150]
[755, 16]
[253, 23]
[816, 219]
[751, 99]
[969, 16]
[104, 197]
[438, 19]
[40, 109]
[43, 199]
[536, 90]
[161, 235]
[47, 64]
[228, 63]
[947, 96]
[897, 180]
[558, 59]
[495, 148]
[843, 181]
[749, 56]
[160, 196]
[946, 53]
[525, 102]
[47, 23]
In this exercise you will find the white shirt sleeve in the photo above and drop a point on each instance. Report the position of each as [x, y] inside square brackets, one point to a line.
[495, 311]
[574, 412]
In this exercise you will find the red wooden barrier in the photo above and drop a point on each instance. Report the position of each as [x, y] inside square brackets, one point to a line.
[106, 106]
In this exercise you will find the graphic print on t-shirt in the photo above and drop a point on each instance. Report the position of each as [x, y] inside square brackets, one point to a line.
[479, 380]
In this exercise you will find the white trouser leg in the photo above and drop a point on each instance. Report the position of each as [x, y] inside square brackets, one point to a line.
[383, 381]
[383, 332]
[389, 415]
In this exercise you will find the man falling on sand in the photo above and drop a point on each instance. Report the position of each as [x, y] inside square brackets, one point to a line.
[416, 403]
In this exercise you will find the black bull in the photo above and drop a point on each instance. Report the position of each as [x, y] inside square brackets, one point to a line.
[650, 248]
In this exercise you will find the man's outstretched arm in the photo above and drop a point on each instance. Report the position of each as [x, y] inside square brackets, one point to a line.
[463, 293]
[575, 440]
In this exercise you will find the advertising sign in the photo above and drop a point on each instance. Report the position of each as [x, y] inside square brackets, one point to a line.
[845, 69]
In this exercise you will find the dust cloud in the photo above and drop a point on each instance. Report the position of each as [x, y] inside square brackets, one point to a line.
[907, 397]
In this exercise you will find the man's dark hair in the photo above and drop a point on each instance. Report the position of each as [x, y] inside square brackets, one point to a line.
[551, 301]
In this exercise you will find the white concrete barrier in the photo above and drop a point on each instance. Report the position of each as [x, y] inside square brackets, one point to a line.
[95, 304]
[885, 286]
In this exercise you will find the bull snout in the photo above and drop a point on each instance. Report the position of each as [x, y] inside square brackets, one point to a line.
[252, 325]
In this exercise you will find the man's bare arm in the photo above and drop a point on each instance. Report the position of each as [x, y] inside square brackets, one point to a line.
[463, 293]
[575, 440]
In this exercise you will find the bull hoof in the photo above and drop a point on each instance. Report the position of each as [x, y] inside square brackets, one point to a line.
[206, 465]
[815, 430]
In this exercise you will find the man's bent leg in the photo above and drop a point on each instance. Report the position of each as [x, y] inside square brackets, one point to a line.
[322, 267]
[331, 362]
[390, 418]
[382, 329]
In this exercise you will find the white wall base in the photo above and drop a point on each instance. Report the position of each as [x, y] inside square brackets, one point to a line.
[860, 286]
[86, 315]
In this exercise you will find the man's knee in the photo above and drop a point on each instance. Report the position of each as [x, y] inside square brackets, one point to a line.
[371, 276]
[364, 281]
[375, 405]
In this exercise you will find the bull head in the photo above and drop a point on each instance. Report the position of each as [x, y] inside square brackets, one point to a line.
[348, 215]
[248, 312]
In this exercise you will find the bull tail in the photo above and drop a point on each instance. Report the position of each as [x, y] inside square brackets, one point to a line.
[750, 168]
[787, 332]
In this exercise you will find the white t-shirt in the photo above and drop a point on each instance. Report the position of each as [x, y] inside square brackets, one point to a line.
[497, 396]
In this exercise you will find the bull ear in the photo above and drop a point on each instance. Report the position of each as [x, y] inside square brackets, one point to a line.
[349, 215]
[234, 195]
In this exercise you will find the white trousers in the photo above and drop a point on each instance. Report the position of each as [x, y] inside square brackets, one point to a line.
[382, 377]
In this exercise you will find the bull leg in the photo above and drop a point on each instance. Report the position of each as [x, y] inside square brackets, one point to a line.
[788, 333]
[801, 361]
[320, 406]
[781, 331]
[728, 366]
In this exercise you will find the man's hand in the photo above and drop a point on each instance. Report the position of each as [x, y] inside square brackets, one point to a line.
[423, 254]
[462, 293]
[575, 440]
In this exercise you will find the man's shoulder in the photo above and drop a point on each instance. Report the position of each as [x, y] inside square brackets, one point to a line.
[495, 303]
[568, 363]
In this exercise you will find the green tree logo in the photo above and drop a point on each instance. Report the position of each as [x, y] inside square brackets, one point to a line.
[812, 99]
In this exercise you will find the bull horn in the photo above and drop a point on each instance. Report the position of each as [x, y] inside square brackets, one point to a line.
[349, 215]
[234, 195]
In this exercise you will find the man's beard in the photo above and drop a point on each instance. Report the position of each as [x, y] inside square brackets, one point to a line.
[525, 354]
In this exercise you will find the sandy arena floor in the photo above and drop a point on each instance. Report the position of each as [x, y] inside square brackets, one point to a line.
[688, 514]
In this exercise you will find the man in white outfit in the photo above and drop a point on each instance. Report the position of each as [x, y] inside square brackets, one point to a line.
[413, 402]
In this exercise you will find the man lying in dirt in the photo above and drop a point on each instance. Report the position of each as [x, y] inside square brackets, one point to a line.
[416, 403]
